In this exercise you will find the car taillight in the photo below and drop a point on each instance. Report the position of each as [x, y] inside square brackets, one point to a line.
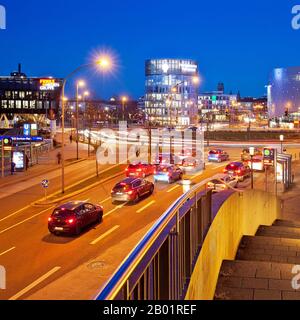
[49, 219]
[70, 221]
[130, 192]
[139, 170]
[126, 169]
[225, 170]
[239, 171]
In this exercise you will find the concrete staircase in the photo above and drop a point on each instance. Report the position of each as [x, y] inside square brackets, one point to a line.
[263, 266]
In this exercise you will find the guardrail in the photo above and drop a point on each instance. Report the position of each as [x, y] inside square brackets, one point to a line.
[160, 266]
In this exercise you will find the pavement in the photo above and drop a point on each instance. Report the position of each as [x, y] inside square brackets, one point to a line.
[44, 266]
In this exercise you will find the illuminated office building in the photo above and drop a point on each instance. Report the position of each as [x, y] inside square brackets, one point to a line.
[171, 91]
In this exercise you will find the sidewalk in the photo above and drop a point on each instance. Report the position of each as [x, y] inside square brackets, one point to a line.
[48, 163]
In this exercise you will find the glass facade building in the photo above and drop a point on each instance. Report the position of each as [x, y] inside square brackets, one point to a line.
[172, 91]
[284, 92]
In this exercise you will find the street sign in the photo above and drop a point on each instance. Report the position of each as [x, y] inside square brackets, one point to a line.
[269, 156]
[45, 184]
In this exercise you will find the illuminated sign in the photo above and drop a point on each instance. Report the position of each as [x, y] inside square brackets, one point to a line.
[18, 159]
[48, 84]
[2, 18]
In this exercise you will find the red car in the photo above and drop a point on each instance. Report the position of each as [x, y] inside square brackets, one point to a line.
[140, 170]
[73, 216]
[238, 170]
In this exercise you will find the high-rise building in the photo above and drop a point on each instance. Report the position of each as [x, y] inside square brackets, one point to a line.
[284, 92]
[171, 91]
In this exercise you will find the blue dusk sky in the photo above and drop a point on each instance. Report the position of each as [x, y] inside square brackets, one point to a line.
[236, 42]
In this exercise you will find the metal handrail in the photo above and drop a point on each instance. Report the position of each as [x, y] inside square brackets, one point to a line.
[113, 286]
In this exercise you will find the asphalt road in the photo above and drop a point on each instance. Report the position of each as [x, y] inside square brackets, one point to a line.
[33, 258]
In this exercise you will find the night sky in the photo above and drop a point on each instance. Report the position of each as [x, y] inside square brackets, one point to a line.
[236, 42]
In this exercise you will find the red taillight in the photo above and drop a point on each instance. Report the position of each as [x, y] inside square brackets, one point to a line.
[130, 192]
[49, 219]
[239, 171]
[224, 170]
[70, 221]
[139, 170]
[126, 169]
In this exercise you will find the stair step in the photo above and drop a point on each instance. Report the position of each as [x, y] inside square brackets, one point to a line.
[270, 249]
[256, 280]
[278, 232]
[286, 223]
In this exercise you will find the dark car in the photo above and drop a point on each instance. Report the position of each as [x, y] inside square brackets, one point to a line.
[73, 216]
[217, 155]
[139, 170]
[131, 190]
[238, 170]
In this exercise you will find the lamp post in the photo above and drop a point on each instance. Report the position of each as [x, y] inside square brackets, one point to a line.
[124, 100]
[79, 84]
[281, 138]
[252, 151]
[104, 63]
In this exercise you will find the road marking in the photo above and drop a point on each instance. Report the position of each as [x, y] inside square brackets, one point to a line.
[172, 189]
[34, 284]
[220, 166]
[104, 235]
[113, 210]
[13, 214]
[17, 224]
[105, 200]
[196, 175]
[3, 253]
[146, 206]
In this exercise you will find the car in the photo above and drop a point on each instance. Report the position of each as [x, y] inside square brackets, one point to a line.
[222, 183]
[167, 158]
[131, 190]
[245, 155]
[238, 170]
[168, 173]
[72, 217]
[217, 155]
[139, 170]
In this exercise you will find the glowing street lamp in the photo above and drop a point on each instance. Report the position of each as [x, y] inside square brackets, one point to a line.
[252, 152]
[104, 63]
[124, 100]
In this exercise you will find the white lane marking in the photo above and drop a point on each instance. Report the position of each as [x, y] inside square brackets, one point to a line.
[14, 213]
[104, 235]
[21, 222]
[172, 189]
[196, 175]
[3, 253]
[105, 200]
[113, 210]
[34, 284]
[146, 206]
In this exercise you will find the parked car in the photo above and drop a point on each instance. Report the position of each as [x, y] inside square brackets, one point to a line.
[217, 155]
[223, 183]
[168, 173]
[139, 170]
[131, 190]
[238, 170]
[245, 155]
[72, 217]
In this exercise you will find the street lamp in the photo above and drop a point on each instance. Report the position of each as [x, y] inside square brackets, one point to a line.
[252, 152]
[281, 137]
[124, 100]
[104, 63]
[79, 84]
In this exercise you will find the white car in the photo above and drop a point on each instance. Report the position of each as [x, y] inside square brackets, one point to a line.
[225, 182]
